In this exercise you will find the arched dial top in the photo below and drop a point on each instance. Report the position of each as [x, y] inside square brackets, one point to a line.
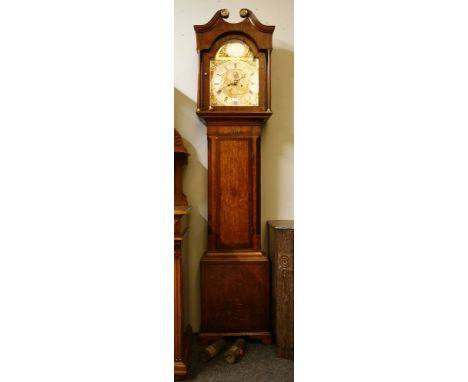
[234, 78]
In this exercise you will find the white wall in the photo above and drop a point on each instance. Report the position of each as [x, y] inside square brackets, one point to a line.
[277, 137]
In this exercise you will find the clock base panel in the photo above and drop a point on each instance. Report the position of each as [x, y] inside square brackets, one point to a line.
[235, 295]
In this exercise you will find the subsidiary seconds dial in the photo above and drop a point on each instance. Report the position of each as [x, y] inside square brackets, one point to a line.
[234, 83]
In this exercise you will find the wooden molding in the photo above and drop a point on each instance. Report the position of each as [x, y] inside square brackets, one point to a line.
[250, 26]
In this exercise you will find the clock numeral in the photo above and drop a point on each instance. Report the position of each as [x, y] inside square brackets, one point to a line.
[219, 91]
[225, 99]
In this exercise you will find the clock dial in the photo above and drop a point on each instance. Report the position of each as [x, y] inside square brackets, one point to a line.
[234, 76]
[234, 83]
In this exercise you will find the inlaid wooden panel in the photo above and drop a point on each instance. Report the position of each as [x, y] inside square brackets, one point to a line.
[234, 188]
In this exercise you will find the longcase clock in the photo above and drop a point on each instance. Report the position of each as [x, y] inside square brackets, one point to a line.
[234, 103]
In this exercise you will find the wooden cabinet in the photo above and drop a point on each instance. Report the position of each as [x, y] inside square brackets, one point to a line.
[281, 253]
[181, 210]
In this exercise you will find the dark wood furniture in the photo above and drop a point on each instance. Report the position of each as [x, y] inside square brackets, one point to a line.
[234, 270]
[281, 253]
[181, 210]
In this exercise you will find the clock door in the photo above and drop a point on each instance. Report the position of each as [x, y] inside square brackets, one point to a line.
[234, 202]
[234, 183]
[233, 76]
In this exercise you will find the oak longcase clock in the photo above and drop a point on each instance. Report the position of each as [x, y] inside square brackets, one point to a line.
[234, 103]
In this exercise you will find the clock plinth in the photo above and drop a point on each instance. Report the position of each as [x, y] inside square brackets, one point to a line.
[234, 104]
[235, 296]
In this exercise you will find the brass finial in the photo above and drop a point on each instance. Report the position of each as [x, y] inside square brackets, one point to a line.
[224, 13]
[244, 12]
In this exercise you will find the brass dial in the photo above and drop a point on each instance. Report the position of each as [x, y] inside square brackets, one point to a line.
[234, 76]
[234, 83]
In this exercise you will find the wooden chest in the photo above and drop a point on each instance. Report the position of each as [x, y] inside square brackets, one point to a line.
[281, 252]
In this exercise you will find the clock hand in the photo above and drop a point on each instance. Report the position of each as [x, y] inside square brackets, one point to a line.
[234, 82]
[230, 84]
